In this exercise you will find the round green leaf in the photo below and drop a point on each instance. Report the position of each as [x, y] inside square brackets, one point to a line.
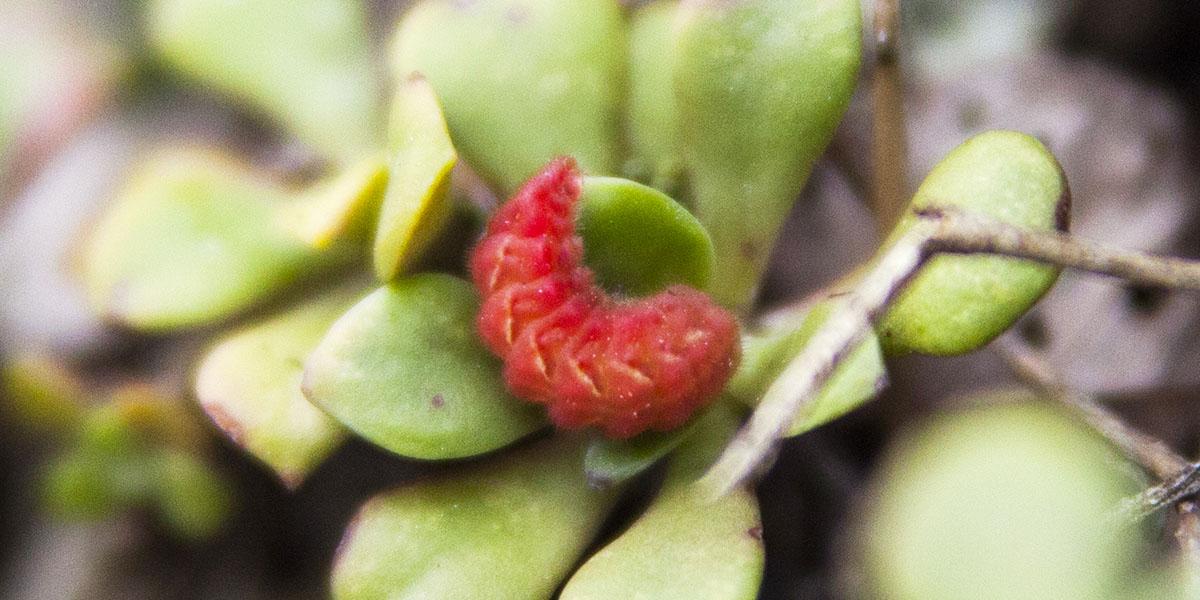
[192, 239]
[521, 81]
[304, 62]
[41, 393]
[765, 355]
[340, 208]
[106, 468]
[761, 85]
[652, 124]
[249, 384]
[638, 240]
[77, 486]
[417, 203]
[956, 304]
[508, 529]
[405, 370]
[685, 545]
[191, 499]
[1012, 501]
[610, 461]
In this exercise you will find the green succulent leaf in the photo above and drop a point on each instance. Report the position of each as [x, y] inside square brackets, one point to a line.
[193, 239]
[686, 545]
[417, 205]
[956, 304]
[339, 209]
[304, 62]
[760, 86]
[77, 486]
[405, 370]
[42, 394]
[1003, 502]
[638, 240]
[508, 529]
[521, 81]
[652, 119]
[766, 354]
[106, 467]
[249, 385]
[610, 461]
[108, 432]
[191, 499]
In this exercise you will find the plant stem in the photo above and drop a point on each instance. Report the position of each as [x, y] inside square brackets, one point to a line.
[1180, 479]
[1187, 534]
[797, 385]
[889, 146]
[1149, 452]
[936, 230]
[964, 233]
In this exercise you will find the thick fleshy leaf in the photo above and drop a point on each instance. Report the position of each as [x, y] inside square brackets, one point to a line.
[859, 378]
[139, 450]
[82, 486]
[638, 240]
[956, 304]
[1011, 501]
[405, 370]
[249, 384]
[42, 394]
[341, 208]
[304, 62]
[417, 204]
[610, 461]
[761, 85]
[521, 81]
[686, 545]
[653, 125]
[107, 468]
[511, 528]
[191, 499]
[192, 239]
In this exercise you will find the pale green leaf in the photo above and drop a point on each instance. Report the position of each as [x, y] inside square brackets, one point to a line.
[194, 238]
[610, 461]
[521, 81]
[1013, 501]
[339, 209]
[686, 545]
[304, 62]
[417, 204]
[761, 85]
[508, 529]
[405, 370]
[41, 393]
[249, 384]
[653, 122]
[638, 240]
[956, 304]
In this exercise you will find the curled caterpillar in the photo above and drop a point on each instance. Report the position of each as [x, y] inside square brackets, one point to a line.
[624, 366]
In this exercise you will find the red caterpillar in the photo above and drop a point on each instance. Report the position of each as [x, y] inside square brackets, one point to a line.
[622, 365]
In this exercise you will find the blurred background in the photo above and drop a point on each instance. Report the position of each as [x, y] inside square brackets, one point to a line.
[1111, 86]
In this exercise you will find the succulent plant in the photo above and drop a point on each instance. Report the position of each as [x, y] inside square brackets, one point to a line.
[694, 126]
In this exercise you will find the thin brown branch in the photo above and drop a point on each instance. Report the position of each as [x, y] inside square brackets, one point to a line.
[964, 233]
[889, 145]
[936, 230]
[1187, 534]
[1165, 494]
[1149, 452]
[797, 385]
[1180, 479]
